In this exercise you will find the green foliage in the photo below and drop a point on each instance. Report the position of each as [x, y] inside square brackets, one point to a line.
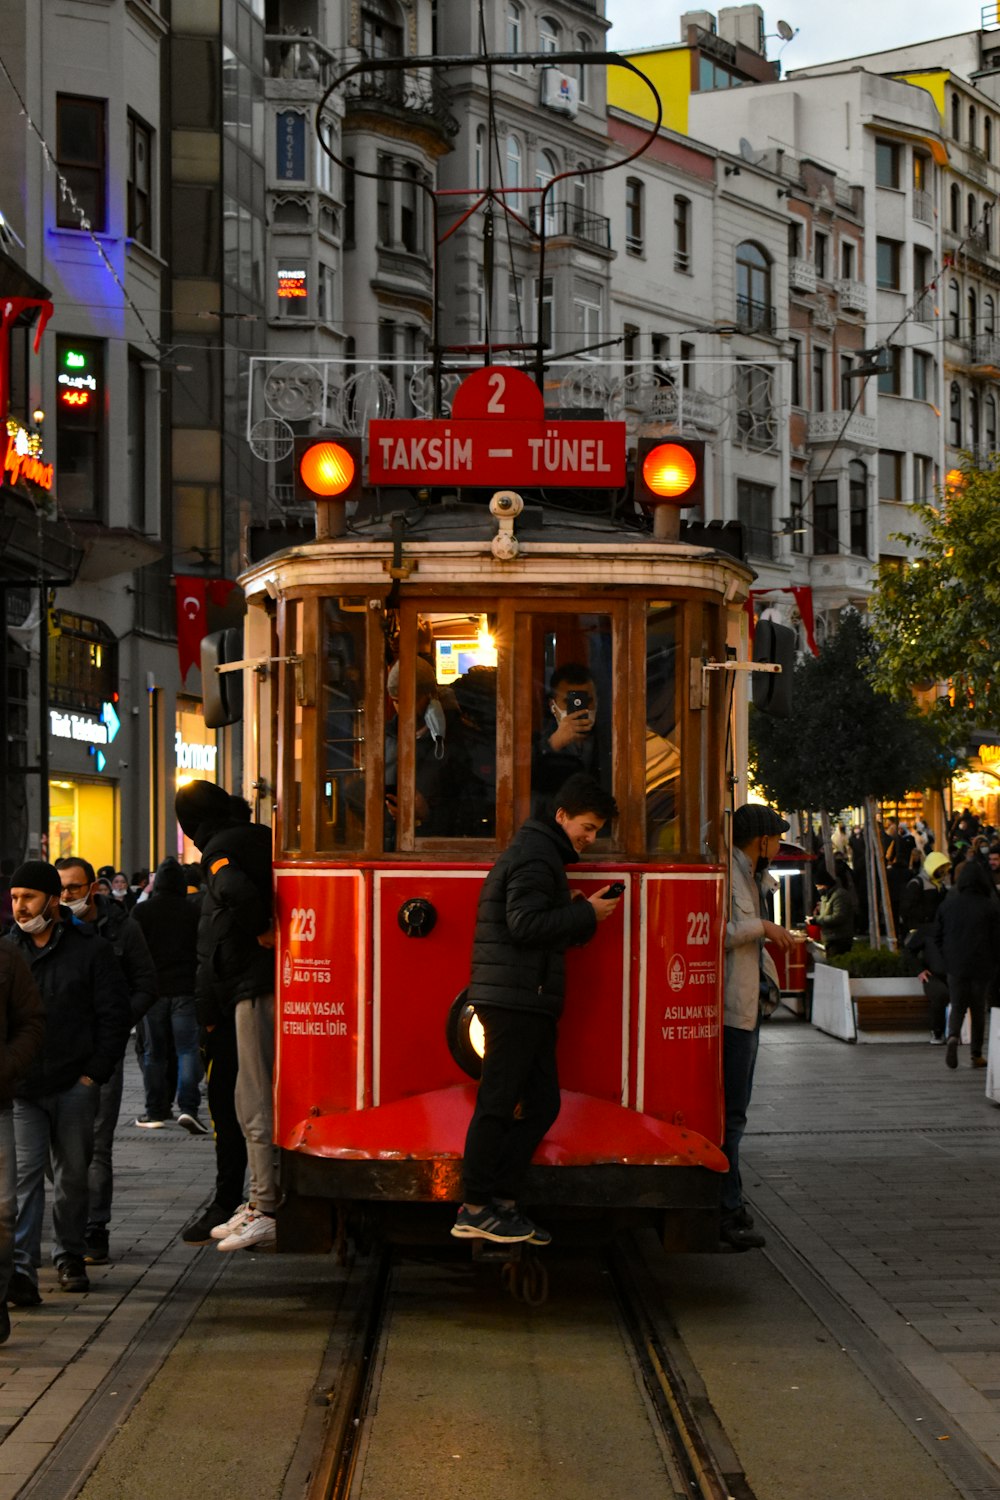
[845, 740]
[875, 963]
[937, 619]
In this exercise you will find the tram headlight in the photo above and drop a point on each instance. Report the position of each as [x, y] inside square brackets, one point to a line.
[327, 466]
[669, 473]
[466, 1038]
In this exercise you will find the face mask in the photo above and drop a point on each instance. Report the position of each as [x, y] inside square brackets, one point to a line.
[562, 713]
[119, 895]
[77, 907]
[435, 720]
[36, 924]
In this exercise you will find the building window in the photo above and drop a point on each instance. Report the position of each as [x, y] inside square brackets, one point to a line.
[818, 379]
[687, 365]
[755, 407]
[974, 423]
[480, 156]
[514, 23]
[583, 44]
[349, 203]
[889, 379]
[923, 477]
[81, 158]
[383, 201]
[515, 294]
[972, 307]
[546, 168]
[847, 392]
[887, 264]
[990, 423]
[890, 475]
[955, 415]
[630, 347]
[954, 310]
[820, 246]
[886, 164]
[544, 312]
[548, 34]
[633, 215]
[755, 512]
[956, 117]
[921, 269]
[989, 315]
[325, 287]
[682, 234]
[972, 216]
[139, 224]
[973, 123]
[826, 528]
[923, 376]
[83, 664]
[858, 504]
[795, 363]
[921, 170]
[988, 138]
[513, 162]
[848, 259]
[795, 228]
[795, 489]
[411, 216]
[955, 215]
[587, 323]
[80, 425]
[136, 445]
[753, 289]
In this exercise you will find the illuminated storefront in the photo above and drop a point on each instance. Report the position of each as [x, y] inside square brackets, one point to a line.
[84, 820]
[978, 786]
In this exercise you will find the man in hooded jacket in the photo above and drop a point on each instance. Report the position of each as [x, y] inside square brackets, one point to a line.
[234, 987]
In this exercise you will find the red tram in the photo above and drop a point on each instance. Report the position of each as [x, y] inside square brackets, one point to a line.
[387, 815]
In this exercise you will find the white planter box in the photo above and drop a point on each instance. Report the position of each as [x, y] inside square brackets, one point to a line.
[832, 1009]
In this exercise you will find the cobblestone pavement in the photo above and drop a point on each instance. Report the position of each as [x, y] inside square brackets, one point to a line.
[881, 1169]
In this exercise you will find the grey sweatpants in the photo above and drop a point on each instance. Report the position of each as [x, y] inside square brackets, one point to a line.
[254, 1097]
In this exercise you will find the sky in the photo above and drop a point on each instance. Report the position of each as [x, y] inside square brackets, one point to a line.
[825, 32]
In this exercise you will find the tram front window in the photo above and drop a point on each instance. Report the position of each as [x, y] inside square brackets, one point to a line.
[663, 758]
[454, 729]
[574, 703]
[341, 822]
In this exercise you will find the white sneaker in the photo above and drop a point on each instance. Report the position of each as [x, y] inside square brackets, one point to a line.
[257, 1229]
[236, 1221]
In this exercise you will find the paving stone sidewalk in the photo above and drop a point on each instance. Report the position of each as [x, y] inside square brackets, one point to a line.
[881, 1169]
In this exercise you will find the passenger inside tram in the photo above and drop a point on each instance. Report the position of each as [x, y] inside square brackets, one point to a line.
[663, 759]
[438, 756]
[572, 657]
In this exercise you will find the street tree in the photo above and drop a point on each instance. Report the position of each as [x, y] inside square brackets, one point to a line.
[936, 618]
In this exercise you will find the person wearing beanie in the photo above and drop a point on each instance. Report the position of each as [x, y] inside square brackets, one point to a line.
[234, 1002]
[834, 914]
[756, 838]
[169, 923]
[87, 1022]
[109, 918]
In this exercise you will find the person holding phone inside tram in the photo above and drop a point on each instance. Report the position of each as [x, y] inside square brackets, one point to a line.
[568, 742]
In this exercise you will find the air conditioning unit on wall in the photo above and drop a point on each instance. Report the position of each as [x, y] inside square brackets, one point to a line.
[559, 92]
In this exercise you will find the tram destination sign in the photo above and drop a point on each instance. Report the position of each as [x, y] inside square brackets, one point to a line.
[497, 435]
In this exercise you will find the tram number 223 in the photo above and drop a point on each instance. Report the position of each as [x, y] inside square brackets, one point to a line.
[303, 924]
[699, 929]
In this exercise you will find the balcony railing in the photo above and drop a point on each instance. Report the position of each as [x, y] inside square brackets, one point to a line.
[853, 296]
[923, 308]
[975, 163]
[419, 94]
[923, 206]
[829, 427]
[755, 317]
[801, 275]
[567, 221]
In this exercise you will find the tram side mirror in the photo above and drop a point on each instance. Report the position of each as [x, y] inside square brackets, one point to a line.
[222, 692]
[772, 691]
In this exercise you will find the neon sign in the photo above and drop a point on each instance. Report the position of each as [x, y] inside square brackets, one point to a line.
[292, 283]
[75, 388]
[22, 457]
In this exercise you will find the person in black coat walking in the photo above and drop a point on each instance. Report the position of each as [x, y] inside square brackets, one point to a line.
[169, 923]
[967, 932]
[527, 918]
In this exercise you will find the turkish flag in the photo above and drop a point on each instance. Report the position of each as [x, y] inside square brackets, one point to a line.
[192, 620]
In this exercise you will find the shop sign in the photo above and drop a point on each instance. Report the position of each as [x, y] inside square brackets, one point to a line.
[291, 146]
[194, 757]
[292, 283]
[23, 457]
[989, 754]
[78, 727]
[76, 381]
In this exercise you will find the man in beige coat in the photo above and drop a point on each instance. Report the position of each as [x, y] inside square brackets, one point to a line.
[756, 838]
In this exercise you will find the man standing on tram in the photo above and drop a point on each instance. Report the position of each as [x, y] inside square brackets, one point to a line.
[750, 976]
[527, 919]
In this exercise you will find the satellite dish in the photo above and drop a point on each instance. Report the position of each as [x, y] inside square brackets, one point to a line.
[746, 151]
[785, 31]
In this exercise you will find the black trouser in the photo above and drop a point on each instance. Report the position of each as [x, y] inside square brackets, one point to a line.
[936, 990]
[519, 1069]
[968, 995]
[222, 1066]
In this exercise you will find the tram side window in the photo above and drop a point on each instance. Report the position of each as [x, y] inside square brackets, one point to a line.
[341, 823]
[455, 715]
[663, 757]
[574, 704]
[293, 717]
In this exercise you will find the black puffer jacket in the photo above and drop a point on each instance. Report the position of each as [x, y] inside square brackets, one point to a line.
[526, 920]
[114, 923]
[87, 1015]
[169, 924]
[967, 926]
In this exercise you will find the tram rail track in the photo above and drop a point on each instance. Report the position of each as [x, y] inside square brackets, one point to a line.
[698, 1459]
